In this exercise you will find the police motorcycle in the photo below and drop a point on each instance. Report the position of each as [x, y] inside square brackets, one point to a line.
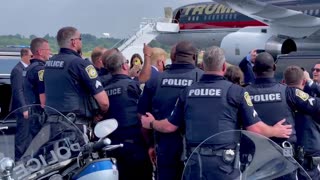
[60, 150]
[251, 157]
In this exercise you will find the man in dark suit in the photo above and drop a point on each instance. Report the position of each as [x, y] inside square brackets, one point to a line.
[246, 65]
[18, 100]
[158, 60]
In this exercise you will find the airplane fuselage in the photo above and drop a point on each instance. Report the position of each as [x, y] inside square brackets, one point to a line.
[207, 24]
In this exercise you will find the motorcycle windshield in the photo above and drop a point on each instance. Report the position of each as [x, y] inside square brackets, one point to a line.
[240, 155]
[39, 143]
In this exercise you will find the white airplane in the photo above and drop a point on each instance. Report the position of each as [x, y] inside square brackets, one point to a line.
[238, 26]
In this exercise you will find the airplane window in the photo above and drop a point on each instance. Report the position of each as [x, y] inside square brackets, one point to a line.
[226, 16]
[235, 16]
[213, 17]
[189, 18]
[316, 12]
[230, 16]
[218, 17]
[305, 12]
[197, 18]
[193, 18]
[205, 18]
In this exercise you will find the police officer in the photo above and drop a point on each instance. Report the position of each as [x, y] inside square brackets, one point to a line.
[268, 95]
[181, 74]
[96, 58]
[34, 85]
[308, 134]
[214, 95]
[72, 83]
[124, 93]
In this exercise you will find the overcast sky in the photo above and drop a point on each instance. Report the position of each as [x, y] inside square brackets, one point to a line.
[120, 18]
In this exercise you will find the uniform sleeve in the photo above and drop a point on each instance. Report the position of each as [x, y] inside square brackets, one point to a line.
[145, 101]
[240, 98]
[39, 79]
[301, 101]
[134, 90]
[88, 76]
[177, 116]
[315, 89]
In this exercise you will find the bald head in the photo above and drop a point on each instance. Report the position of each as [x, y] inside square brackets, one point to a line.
[264, 65]
[185, 52]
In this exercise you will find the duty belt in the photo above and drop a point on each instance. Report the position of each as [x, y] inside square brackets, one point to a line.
[207, 151]
[76, 120]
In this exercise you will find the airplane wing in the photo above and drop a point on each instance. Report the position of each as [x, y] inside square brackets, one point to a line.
[282, 21]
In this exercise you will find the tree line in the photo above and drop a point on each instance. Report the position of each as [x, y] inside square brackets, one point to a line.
[88, 41]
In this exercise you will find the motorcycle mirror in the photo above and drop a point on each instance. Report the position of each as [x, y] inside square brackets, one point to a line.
[105, 127]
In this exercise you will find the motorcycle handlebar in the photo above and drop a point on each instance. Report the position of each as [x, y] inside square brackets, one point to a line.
[112, 147]
[101, 144]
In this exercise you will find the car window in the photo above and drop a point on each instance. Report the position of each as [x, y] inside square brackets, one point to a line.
[7, 64]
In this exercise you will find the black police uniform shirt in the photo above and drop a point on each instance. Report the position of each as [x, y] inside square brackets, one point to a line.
[70, 82]
[308, 133]
[274, 101]
[124, 93]
[169, 85]
[210, 106]
[34, 84]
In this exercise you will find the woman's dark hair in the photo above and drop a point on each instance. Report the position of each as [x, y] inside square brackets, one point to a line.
[234, 75]
[134, 56]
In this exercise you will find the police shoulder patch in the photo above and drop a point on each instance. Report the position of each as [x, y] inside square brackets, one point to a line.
[40, 75]
[302, 95]
[248, 99]
[91, 71]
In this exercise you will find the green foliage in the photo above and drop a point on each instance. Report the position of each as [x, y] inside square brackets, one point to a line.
[88, 41]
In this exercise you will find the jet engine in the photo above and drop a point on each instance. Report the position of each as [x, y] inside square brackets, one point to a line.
[238, 44]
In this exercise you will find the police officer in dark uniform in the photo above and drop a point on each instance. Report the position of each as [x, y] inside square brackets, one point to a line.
[269, 96]
[214, 95]
[123, 92]
[307, 128]
[182, 73]
[72, 83]
[34, 85]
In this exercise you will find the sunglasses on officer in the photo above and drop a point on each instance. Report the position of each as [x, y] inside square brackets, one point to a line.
[315, 69]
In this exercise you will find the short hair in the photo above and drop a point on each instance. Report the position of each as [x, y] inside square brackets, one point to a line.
[264, 65]
[185, 52]
[293, 75]
[36, 43]
[64, 35]
[97, 53]
[157, 53]
[115, 61]
[234, 75]
[134, 56]
[24, 52]
[106, 55]
[213, 59]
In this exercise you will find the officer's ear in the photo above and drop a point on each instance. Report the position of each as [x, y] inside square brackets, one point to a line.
[224, 67]
[274, 67]
[304, 82]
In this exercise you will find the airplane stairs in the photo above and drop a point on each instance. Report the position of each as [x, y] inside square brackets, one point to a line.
[147, 32]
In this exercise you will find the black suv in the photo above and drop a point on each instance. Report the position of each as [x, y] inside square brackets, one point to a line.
[9, 57]
[305, 60]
